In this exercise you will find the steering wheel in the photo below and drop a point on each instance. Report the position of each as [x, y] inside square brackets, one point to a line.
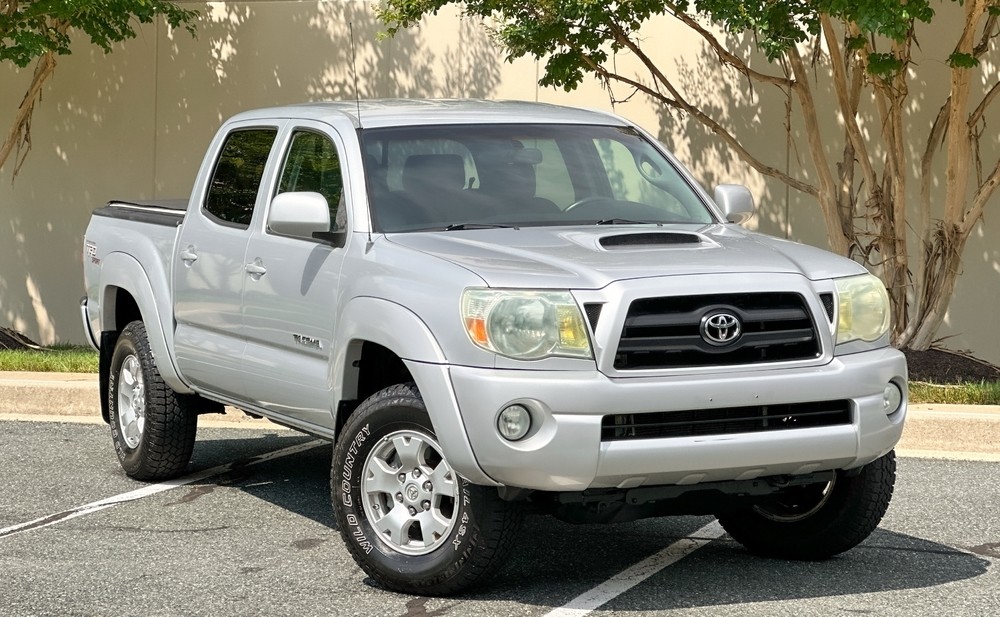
[581, 202]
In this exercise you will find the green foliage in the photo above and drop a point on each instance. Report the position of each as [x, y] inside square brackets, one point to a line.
[32, 28]
[884, 65]
[959, 60]
[576, 35]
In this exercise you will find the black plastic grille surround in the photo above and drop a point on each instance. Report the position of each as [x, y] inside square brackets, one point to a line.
[666, 332]
[725, 421]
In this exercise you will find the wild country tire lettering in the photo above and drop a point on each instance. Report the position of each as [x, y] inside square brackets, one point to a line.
[113, 416]
[345, 486]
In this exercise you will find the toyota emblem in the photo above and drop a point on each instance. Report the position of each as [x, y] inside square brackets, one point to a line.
[720, 328]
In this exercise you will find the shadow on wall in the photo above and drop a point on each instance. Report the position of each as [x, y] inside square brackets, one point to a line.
[755, 114]
[135, 124]
[82, 143]
[242, 60]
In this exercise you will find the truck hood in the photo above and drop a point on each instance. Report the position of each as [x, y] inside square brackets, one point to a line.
[593, 257]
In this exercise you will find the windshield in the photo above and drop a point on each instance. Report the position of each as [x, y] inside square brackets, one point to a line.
[473, 176]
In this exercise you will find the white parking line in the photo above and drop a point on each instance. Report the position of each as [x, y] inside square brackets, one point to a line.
[153, 489]
[618, 584]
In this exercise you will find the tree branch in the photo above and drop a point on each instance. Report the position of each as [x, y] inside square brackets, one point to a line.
[934, 140]
[983, 194]
[847, 110]
[959, 147]
[836, 233]
[981, 108]
[677, 101]
[19, 134]
[725, 56]
[988, 34]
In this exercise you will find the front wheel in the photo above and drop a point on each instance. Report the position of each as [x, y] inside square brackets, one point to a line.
[817, 521]
[409, 520]
[152, 427]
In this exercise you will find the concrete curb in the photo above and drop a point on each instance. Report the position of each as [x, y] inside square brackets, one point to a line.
[953, 431]
[74, 397]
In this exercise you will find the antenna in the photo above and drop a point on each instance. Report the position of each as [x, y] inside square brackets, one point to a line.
[354, 70]
[357, 100]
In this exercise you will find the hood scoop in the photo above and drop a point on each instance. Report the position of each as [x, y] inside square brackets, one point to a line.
[655, 238]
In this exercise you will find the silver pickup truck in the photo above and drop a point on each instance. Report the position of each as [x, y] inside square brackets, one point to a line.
[495, 308]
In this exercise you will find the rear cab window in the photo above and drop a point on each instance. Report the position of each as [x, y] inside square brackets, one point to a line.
[236, 179]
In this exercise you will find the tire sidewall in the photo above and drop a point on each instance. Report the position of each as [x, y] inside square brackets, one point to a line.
[128, 345]
[853, 511]
[359, 439]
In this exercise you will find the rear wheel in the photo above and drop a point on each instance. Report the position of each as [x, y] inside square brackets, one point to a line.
[408, 519]
[152, 427]
[820, 520]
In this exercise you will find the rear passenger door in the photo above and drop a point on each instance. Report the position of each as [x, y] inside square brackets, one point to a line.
[290, 301]
[209, 269]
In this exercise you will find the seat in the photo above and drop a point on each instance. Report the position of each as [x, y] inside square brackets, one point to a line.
[511, 183]
[434, 182]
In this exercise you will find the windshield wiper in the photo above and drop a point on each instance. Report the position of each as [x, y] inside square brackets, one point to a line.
[627, 222]
[462, 226]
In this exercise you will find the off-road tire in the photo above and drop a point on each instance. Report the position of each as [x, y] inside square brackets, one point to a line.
[483, 529]
[851, 512]
[163, 448]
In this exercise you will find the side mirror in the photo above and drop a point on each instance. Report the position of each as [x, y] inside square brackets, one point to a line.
[736, 202]
[299, 214]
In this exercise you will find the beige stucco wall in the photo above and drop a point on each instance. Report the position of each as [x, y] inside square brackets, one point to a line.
[135, 124]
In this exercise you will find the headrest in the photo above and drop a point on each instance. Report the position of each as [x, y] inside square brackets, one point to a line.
[441, 172]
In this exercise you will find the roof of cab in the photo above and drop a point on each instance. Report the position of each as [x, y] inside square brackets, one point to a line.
[410, 112]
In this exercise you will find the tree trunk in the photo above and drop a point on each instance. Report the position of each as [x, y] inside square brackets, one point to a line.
[19, 135]
[943, 263]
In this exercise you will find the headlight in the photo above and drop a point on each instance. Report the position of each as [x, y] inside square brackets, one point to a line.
[864, 309]
[526, 325]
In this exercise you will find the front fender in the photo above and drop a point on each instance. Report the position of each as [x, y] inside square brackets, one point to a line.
[401, 331]
[392, 326]
[119, 270]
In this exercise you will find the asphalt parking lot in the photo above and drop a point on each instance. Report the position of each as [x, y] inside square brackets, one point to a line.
[253, 534]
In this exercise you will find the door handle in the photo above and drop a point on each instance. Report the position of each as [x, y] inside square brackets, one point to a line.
[189, 255]
[255, 269]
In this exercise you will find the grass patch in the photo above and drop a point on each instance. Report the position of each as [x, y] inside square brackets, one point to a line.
[59, 359]
[983, 393]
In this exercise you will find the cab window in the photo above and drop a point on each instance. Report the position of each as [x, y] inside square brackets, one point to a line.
[232, 193]
[312, 164]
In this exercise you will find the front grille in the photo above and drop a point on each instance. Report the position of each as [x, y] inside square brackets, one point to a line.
[667, 332]
[724, 421]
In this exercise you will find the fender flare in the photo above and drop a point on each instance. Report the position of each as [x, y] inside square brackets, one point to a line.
[123, 271]
[400, 330]
[391, 325]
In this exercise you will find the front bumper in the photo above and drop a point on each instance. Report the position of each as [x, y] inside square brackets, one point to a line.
[564, 451]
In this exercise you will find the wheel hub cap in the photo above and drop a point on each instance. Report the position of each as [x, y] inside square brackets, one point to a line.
[409, 493]
[131, 401]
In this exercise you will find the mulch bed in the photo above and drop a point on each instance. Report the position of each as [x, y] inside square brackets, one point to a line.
[11, 339]
[942, 366]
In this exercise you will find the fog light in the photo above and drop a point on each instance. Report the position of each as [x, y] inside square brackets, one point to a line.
[892, 398]
[514, 422]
